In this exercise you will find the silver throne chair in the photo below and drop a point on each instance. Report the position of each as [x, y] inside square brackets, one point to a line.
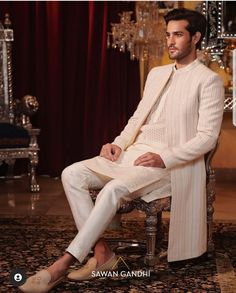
[18, 139]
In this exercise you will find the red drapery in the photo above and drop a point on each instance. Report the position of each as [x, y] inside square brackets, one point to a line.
[86, 91]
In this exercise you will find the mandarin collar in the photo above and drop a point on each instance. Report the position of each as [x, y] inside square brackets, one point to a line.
[187, 68]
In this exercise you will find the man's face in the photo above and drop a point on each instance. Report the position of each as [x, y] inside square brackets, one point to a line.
[179, 42]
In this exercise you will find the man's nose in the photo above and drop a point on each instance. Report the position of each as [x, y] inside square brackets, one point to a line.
[170, 40]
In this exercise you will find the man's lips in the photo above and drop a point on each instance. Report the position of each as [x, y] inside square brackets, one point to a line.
[172, 49]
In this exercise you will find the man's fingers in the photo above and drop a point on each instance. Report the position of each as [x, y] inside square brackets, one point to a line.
[141, 159]
[106, 153]
[110, 152]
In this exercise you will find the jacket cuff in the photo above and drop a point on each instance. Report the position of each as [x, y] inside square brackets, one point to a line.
[119, 144]
[167, 158]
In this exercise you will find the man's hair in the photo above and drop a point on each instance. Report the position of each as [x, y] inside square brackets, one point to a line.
[196, 21]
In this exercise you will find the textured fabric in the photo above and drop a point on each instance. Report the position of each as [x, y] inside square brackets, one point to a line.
[150, 183]
[91, 220]
[138, 180]
[12, 136]
[76, 79]
[195, 110]
[194, 118]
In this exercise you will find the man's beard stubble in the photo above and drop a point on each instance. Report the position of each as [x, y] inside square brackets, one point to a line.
[180, 54]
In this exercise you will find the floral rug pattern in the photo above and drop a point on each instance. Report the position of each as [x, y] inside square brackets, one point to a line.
[32, 243]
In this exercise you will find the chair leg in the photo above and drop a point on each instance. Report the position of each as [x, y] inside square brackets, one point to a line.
[210, 211]
[33, 162]
[210, 242]
[159, 229]
[151, 230]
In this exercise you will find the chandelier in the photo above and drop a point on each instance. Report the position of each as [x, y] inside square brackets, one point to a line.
[144, 38]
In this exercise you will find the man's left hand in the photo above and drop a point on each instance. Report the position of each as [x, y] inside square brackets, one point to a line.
[150, 160]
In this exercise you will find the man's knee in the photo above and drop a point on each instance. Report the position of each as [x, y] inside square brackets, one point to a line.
[71, 172]
[113, 191]
[65, 175]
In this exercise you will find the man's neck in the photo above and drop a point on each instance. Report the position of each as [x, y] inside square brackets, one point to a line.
[184, 62]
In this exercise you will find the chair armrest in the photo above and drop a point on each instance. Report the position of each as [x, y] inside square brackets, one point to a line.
[23, 109]
[208, 159]
[33, 133]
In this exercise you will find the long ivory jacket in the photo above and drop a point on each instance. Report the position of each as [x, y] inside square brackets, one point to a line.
[194, 116]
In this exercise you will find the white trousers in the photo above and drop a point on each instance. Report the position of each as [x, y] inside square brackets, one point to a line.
[91, 219]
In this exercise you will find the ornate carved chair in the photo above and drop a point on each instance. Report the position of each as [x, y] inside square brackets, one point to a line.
[17, 137]
[153, 214]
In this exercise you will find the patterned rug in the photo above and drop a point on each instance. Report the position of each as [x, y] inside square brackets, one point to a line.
[31, 243]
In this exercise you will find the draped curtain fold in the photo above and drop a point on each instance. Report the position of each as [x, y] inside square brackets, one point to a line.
[86, 92]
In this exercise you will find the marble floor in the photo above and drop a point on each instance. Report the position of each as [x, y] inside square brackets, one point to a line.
[17, 201]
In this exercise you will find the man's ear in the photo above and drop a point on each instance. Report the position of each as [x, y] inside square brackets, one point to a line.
[196, 37]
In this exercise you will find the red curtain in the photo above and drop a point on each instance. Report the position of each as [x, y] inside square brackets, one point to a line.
[86, 92]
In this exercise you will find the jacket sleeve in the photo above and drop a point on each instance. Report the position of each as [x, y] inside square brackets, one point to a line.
[128, 132]
[211, 107]
[123, 139]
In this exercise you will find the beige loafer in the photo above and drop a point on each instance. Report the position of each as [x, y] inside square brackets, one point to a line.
[39, 283]
[90, 268]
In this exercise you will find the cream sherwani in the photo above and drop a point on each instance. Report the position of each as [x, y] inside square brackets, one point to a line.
[194, 109]
[151, 137]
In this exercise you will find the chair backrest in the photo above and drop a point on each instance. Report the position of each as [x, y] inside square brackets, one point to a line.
[6, 93]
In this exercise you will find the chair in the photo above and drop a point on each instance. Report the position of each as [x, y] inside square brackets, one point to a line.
[153, 214]
[18, 140]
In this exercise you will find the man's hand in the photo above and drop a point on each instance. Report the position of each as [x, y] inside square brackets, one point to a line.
[149, 160]
[110, 151]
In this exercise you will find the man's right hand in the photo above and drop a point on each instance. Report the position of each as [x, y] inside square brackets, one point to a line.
[110, 151]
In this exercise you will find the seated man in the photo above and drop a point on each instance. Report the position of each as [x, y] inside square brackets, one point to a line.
[160, 151]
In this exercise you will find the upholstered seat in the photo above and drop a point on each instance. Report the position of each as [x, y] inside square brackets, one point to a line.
[12, 136]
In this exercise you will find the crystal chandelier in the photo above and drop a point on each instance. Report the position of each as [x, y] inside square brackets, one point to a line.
[144, 38]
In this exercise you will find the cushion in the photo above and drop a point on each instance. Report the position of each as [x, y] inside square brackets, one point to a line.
[12, 136]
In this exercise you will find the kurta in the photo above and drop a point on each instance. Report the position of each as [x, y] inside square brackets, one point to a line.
[194, 109]
[155, 182]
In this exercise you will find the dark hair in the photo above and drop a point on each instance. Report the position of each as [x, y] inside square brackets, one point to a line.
[196, 21]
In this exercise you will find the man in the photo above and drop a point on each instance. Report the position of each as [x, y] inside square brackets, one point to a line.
[159, 152]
